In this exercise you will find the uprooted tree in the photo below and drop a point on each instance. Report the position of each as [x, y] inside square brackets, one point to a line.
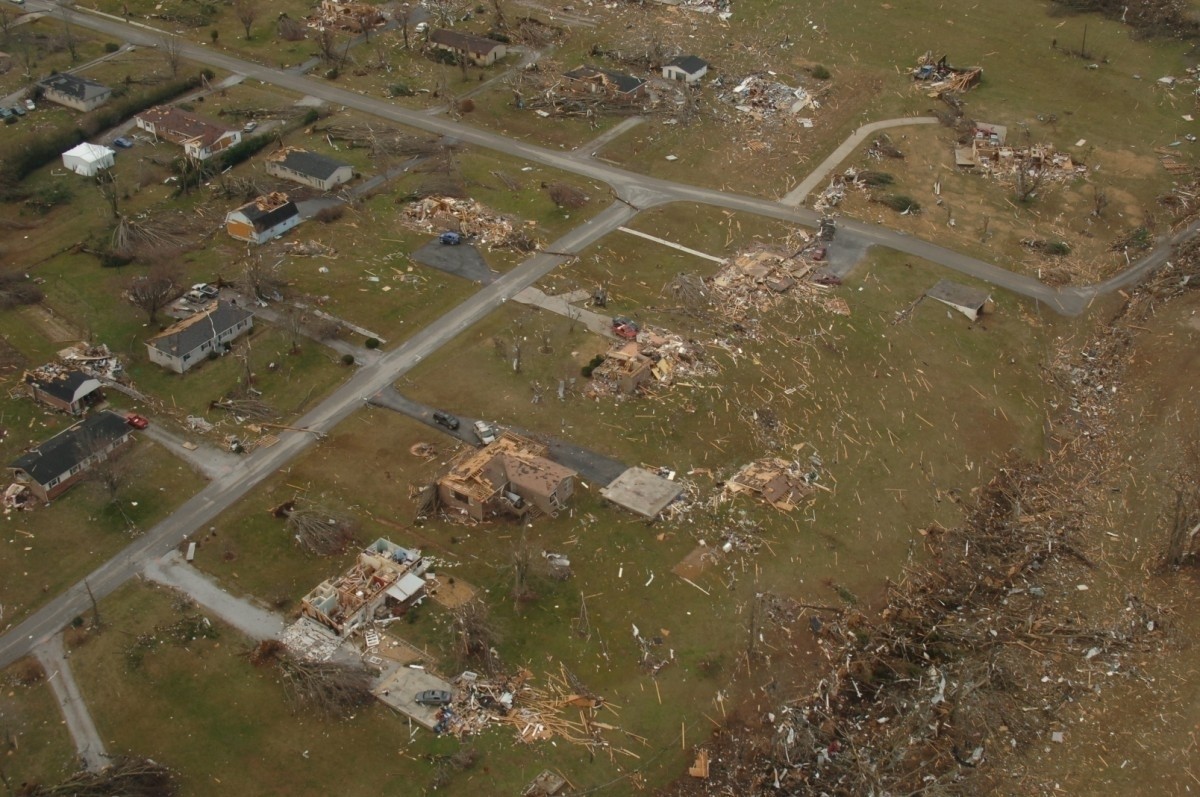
[329, 688]
[127, 777]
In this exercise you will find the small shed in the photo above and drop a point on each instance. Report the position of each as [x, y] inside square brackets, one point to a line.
[88, 159]
[971, 302]
[642, 492]
[688, 68]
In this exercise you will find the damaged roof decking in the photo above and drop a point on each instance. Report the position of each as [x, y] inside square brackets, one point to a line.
[641, 491]
[64, 384]
[266, 211]
[621, 83]
[512, 459]
[179, 126]
[71, 446]
[188, 334]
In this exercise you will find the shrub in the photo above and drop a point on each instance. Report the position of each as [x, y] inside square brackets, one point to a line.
[332, 73]
[111, 47]
[875, 178]
[348, 359]
[207, 73]
[901, 203]
[52, 195]
[566, 196]
[400, 90]
[1058, 248]
[248, 148]
[466, 106]
[372, 343]
[312, 116]
[821, 73]
[329, 214]
[592, 365]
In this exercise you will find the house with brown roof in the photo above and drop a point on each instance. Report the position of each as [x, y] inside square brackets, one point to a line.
[511, 476]
[190, 341]
[477, 49]
[200, 138]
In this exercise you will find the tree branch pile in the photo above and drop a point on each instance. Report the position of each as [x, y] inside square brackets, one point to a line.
[125, 777]
[322, 531]
[329, 688]
[381, 140]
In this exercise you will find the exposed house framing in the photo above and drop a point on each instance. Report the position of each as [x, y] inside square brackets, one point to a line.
[509, 477]
[383, 582]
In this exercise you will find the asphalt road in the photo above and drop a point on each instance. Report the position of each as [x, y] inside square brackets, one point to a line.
[638, 189]
[198, 512]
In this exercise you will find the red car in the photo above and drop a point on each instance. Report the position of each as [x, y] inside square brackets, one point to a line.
[136, 421]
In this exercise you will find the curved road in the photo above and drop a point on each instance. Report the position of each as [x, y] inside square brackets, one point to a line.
[637, 190]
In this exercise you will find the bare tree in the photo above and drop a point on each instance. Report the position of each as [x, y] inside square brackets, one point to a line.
[246, 12]
[1099, 200]
[68, 31]
[156, 289]
[403, 17]
[261, 281]
[6, 20]
[327, 45]
[474, 634]
[289, 29]
[566, 196]
[1029, 179]
[171, 47]
[332, 689]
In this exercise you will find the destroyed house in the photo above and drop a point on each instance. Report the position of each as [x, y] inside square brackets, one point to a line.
[208, 333]
[614, 84]
[262, 219]
[75, 92]
[778, 482]
[477, 49]
[626, 368]
[309, 168]
[687, 68]
[200, 138]
[971, 302]
[63, 389]
[54, 466]
[383, 582]
[511, 476]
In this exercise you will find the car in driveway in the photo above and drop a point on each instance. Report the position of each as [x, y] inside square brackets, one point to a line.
[433, 697]
[250, 127]
[205, 290]
[7, 115]
[136, 421]
[122, 142]
[485, 432]
[30, 106]
[445, 419]
[19, 110]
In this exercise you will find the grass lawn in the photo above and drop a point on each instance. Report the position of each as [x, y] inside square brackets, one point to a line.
[36, 746]
[52, 547]
[39, 48]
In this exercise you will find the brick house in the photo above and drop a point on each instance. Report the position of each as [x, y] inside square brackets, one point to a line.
[54, 466]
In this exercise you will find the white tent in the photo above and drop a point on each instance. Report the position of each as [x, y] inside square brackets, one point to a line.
[87, 159]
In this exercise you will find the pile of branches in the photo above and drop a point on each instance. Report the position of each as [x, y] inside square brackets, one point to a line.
[127, 777]
[381, 140]
[1174, 18]
[16, 289]
[332, 689]
[245, 408]
[320, 530]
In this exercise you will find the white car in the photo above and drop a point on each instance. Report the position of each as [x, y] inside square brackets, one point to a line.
[29, 106]
[485, 432]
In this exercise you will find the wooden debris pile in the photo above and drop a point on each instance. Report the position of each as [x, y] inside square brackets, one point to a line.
[781, 483]
[938, 77]
[754, 282]
[345, 16]
[473, 220]
[95, 360]
[656, 358]
[309, 248]
[761, 98]
[562, 709]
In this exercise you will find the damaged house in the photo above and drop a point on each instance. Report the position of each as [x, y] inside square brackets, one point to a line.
[686, 68]
[613, 84]
[200, 138]
[188, 342]
[971, 302]
[63, 389]
[382, 583]
[56, 465]
[780, 483]
[263, 219]
[75, 92]
[511, 476]
[476, 49]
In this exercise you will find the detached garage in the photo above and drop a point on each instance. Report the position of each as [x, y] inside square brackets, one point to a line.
[88, 159]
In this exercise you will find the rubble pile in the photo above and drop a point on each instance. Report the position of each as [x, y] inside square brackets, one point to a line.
[655, 357]
[96, 361]
[473, 220]
[938, 77]
[762, 98]
[562, 709]
[345, 16]
[755, 281]
[722, 8]
[781, 483]
[1041, 161]
[309, 249]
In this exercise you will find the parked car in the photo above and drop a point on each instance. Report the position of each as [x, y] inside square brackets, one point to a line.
[445, 419]
[250, 127]
[625, 328]
[433, 697]
[485, 432]
[206, 290]
[136, 421]
[6, 114]
[29, 106]
[19, 110]
[122, 142]
[450, 238]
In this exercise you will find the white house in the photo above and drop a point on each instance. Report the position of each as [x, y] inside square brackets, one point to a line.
[310, 168]
[200, 138]
[687, 68]
[88, 159]
[259, 221]
[189, 342]
[75, 92]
